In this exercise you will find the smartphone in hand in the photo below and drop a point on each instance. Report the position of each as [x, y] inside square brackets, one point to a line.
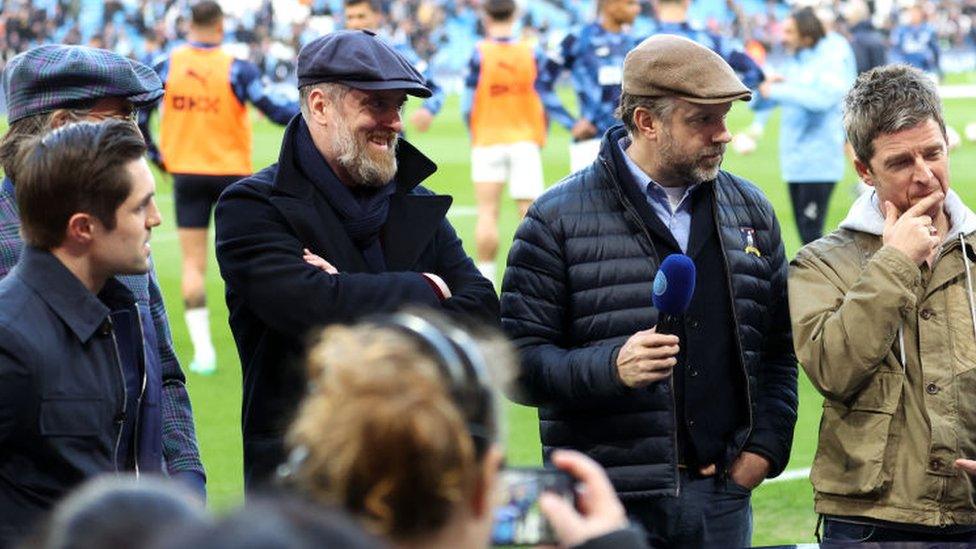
[518, 519]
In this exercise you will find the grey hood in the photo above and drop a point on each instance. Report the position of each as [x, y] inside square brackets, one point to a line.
[865, 215]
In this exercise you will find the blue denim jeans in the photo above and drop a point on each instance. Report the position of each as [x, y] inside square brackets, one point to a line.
[708, 512]
[849, 531]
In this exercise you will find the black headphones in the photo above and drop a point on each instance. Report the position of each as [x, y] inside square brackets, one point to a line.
[465, 371]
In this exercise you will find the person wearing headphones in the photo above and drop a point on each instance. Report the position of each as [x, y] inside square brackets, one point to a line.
[401, 430]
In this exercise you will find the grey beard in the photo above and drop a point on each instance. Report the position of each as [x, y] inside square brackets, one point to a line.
[367, 170]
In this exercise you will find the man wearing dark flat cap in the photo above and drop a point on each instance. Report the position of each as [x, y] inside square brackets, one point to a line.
[48, 87]
[338, 228]
[688, 422]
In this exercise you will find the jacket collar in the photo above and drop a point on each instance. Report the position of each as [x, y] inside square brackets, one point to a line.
[81, 310]
[643, 181]
[413, 220]
[612, 160]
[865, 216]
[412, 166]
[607, 160]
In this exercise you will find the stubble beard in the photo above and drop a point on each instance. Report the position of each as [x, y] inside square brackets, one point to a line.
[690, 170]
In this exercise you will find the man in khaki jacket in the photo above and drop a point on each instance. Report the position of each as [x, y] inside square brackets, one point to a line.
[883, 323]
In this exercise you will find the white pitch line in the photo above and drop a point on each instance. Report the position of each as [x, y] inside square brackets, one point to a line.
[162, 237]
[462, 211]
[795, 474]
[958, 91]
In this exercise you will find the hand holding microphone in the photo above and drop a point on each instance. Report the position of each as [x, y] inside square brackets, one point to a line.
[650, 355]
[646, 357]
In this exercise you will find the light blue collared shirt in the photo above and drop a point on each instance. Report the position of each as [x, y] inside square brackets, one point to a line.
[677, 220]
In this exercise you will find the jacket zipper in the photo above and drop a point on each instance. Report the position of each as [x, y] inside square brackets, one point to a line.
[735, 321]
[118, 364]
[629, 208]
[142, 394]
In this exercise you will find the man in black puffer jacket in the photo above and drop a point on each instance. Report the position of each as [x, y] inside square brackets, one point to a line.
[687, 424]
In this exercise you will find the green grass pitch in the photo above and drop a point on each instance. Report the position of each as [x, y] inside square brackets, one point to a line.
[783, 510]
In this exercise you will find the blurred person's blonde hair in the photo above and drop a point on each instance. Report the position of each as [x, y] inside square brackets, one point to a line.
[383, 433]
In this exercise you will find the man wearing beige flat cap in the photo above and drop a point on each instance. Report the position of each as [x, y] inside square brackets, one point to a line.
[686, 422]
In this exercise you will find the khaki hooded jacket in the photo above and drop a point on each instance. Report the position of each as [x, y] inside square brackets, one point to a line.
[892, 348]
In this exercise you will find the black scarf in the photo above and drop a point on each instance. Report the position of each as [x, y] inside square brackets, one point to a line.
[362, 210]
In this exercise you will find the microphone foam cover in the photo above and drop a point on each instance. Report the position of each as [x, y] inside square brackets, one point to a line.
[674, 284]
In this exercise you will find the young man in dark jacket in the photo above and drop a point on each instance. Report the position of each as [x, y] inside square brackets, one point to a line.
[70, 409]
[686, 424]
[47, 87]
[338, 228]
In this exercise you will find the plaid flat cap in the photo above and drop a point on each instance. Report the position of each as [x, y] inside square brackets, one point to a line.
[670, 65]
[52, 77]
[358, 59]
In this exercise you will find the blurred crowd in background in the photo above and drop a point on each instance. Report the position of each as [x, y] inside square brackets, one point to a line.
[270, 32]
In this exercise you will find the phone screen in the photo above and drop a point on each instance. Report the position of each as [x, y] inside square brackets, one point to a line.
[518, 519]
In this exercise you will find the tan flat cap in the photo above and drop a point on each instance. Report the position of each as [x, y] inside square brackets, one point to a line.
[670, 65]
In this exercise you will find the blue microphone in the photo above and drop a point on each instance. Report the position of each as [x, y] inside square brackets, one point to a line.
[674, 285]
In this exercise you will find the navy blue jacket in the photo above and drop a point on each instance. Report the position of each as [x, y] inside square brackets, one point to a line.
[179, 435]
[276, 299]
[869, 47]
[62, 393]
[578, 284]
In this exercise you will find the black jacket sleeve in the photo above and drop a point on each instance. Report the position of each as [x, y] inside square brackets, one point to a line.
[534, 315]
[472, 295]
[260, 259]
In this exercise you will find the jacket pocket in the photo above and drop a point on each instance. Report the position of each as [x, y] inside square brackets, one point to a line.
[70, 416]
[960, 328]
[857, 442]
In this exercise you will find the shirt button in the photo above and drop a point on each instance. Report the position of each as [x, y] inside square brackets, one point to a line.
[693, 373]
[931, 388]
[693, 324]
[927, 314]
[935, 464]
[691, 423]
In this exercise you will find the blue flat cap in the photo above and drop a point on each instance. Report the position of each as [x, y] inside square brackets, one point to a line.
[359, 59]
[52, 77]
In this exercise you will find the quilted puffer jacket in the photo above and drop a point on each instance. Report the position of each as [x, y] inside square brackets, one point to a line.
[578, 284]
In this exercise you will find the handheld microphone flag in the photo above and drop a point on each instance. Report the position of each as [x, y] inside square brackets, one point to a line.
[674, 285]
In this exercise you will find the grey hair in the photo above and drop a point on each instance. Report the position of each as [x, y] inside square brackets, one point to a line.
[335, 92]
[888, 99]
[660, 106]
[24, 129]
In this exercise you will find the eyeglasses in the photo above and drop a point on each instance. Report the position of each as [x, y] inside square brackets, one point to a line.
[130, 115]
